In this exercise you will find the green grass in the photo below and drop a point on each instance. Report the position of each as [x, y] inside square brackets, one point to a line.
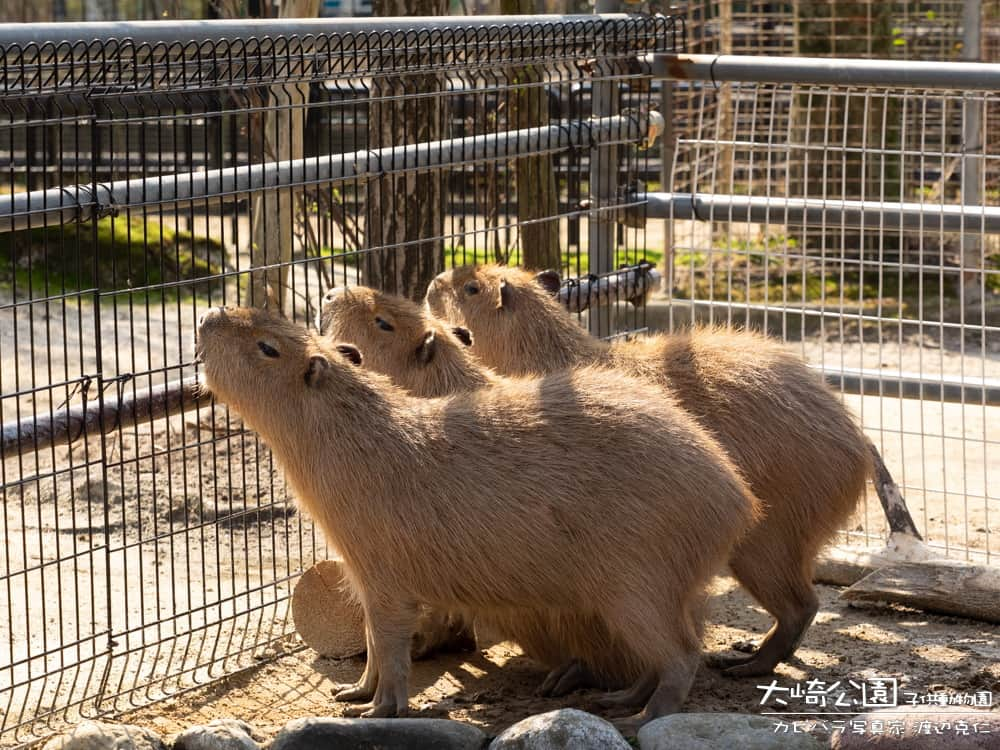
[114, 254]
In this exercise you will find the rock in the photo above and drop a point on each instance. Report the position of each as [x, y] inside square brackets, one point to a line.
[218, 734]
[377, 734]
[710, 731]
[565, 729]
[921, 728]
[97, 735]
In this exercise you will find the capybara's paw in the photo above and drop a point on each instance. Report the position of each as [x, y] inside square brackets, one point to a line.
[385, 711]
[753, 667]
[356, 692]
[725, 661]
[564, 679]
[617, 699]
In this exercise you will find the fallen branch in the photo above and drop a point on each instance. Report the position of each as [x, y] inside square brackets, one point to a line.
[629, 283]
[893, 504]
[946, 587]
[67, 425]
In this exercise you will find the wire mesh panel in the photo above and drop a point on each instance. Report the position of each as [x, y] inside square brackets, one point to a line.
[858, 223]
[159, 170]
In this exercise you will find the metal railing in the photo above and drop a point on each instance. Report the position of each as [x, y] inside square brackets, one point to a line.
[152, 170]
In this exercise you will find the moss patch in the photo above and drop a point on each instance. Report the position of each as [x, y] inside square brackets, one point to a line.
[112, 254]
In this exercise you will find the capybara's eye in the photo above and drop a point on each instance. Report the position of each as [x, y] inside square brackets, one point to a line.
[472, 288]
[269, 350]
[385, 325]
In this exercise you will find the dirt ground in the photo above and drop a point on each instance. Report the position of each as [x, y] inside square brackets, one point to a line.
[495, 687]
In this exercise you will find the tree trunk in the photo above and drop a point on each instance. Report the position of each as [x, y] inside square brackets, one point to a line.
[271, 232]
[405, 207]
[535, 179]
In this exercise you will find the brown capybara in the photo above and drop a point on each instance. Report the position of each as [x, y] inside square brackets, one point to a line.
[419, 353]
[797, 446]
[430, 359]
[458, 503]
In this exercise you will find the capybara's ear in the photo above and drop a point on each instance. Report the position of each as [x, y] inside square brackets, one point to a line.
[351, 353]
[503, 298]
[318, 365]
[549, 281]
[427, 349]
[463, 334]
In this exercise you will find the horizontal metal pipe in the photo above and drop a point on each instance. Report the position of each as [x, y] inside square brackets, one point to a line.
[160, 32]
[819, 212]
[81, 202]
[961, 76]
[910, 385]
[69, 424]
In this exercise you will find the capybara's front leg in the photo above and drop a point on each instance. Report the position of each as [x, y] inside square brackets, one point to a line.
[363, 689]
[391, 628]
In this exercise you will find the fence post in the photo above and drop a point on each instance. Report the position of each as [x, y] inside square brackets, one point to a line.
[601, 226]
[972, 155]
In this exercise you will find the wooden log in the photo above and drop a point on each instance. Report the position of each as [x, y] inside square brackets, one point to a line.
[331, 622]
[629, 283]
[844, 566]
[946, 587]
[69, 424]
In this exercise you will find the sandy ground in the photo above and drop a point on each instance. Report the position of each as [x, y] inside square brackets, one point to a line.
[495, 687]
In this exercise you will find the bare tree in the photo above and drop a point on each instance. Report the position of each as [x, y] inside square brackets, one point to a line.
[405, 210]
[537, 195]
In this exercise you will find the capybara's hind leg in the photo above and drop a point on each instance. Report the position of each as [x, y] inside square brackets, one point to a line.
[567, 677]
[784, 590]
[630, 697]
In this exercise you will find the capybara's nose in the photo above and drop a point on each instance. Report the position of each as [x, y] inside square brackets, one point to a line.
[209, 315]
[333, 293]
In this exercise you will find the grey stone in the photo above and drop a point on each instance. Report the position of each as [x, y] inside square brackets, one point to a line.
[710, 731]
[377, 734]
[97, 735]
[218, 734]
[565, 729]
[924, 728]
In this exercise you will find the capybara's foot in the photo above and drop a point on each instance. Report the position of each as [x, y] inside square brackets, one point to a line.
[755, 666]
[359, 691]
[725, 661]
[372, 711]
[566, 678]
[631, 697]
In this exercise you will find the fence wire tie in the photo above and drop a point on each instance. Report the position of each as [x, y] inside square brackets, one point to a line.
[82, 385]
[694, 210]
[711, 72]
[380, 172]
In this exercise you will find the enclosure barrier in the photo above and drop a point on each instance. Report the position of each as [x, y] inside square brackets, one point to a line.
[850, 208]
[153, 170]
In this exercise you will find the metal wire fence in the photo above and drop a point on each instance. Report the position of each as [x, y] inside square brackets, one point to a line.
[151, 171]
[860, 223]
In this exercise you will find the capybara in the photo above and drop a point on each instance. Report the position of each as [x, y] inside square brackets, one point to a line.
[797, 446]
[459, 502]
[429, 359]
[417, 351]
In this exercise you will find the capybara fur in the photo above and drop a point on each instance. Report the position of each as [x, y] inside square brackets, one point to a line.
[796, 444]
[459, 502]
[429, 359]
